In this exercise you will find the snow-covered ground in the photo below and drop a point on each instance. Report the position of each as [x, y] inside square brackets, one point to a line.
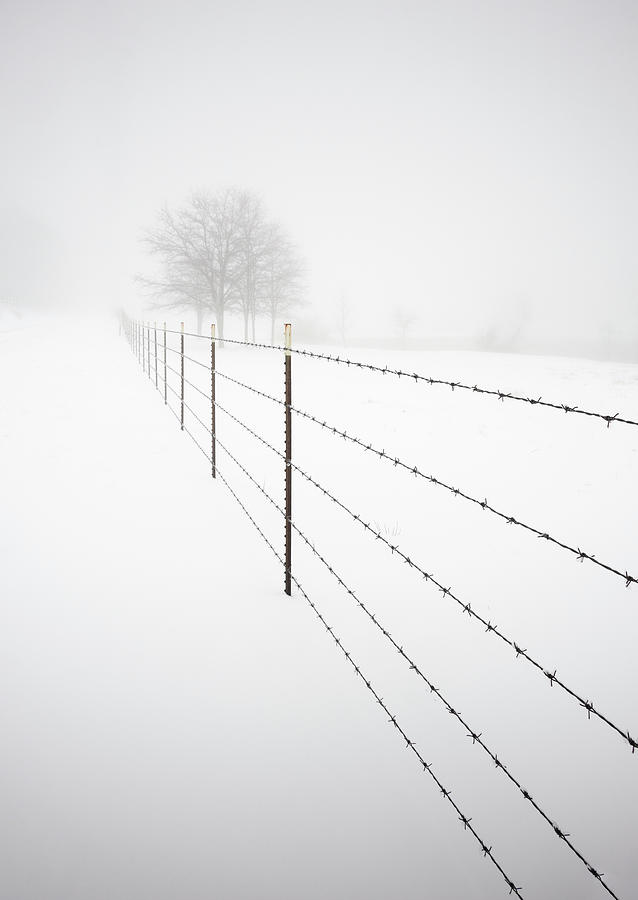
[174, 726]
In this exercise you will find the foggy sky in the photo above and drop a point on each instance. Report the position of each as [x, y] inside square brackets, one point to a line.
[454, 157]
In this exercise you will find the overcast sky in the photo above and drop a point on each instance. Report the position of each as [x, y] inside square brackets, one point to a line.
[460, 158]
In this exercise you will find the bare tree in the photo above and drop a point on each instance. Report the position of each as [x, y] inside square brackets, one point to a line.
[182, 281]
[281, 276]
[198, 249]
[219, 253]
[226, 213]
[252, 236]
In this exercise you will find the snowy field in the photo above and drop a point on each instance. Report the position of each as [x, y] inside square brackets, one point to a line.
[175, 727]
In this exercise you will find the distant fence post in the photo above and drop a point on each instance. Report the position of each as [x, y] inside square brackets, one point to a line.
[212, 398]
[182, 352]
[148, 349]
[155, 335]
[165, 400]
[288, 380]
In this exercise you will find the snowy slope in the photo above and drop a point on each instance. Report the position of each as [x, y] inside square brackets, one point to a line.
[175, 726]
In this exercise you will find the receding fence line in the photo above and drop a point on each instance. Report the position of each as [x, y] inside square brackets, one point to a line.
[426, 766]
[290, 525]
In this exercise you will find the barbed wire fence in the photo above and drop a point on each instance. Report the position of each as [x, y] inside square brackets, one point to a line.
[152, 356]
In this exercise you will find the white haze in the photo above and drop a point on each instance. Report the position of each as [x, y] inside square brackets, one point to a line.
[174, 727]
[473, 162]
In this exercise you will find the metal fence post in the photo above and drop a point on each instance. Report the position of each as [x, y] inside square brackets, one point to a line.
[155, 335]
[165, 400]
[182, 352]
[288, 379]
[212, 398]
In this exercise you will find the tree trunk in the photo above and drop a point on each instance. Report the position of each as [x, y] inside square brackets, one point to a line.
[272, 326]
[245, 324]
[200, 318]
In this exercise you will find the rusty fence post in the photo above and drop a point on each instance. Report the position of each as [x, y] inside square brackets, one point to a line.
[155, 335]
[165, 400]
[182, 353]
[288, 379]
[212, 398]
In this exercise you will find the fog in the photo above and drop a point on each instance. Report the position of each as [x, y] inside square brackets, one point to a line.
[460, 183]
[473, 163]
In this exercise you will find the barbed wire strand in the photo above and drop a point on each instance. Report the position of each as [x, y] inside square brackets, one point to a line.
[426, 379]
[457, 492]
[464, 608]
